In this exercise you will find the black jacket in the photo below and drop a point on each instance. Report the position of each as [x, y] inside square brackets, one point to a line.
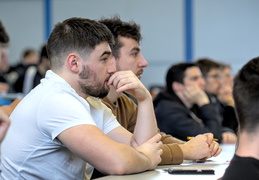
[227, 114]
[174, 118]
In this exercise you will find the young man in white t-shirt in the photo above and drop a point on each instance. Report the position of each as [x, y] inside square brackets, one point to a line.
[55, 132]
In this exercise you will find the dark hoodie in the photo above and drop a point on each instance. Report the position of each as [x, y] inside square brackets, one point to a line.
[174, 118]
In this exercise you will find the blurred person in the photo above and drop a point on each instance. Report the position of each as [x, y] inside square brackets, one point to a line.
[211, 72]
[184, 109]
[33, 74]
[225, 97]
[66, 124]
[226, 85]
[17, 72]
[226, 77]
[245, 163]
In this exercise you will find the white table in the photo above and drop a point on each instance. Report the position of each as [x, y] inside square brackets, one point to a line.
[219, 164]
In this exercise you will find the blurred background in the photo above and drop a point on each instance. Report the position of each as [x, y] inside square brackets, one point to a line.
[173, 30]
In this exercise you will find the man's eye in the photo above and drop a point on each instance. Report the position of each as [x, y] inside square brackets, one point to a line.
[104, 59]
[135, 54]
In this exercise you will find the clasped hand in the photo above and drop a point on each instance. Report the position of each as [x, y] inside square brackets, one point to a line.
[128, 82]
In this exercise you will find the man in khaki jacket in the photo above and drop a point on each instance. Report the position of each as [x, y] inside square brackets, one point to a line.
[127, 55]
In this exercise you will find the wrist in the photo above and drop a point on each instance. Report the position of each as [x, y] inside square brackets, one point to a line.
[147, 97]
[184, 150]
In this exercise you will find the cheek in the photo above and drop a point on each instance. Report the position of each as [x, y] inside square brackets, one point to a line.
[210, 82]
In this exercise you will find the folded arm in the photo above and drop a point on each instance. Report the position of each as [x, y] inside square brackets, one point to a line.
[109, 156]
[146, 126]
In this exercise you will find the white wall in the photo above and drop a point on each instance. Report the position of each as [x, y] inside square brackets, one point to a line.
[225, 30]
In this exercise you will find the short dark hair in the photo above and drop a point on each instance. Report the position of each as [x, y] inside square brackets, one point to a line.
[120, 28]
[79, 35]
[206, 64]
[4, 38]
[176, 73]
[246, 96]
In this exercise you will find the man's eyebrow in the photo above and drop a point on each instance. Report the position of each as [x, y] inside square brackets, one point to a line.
[194, 77]
[106, 53]
[135, 49]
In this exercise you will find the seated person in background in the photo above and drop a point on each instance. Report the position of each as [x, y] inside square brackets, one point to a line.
[30, 58]
[225, 97]
[226, 77]
[127, 54]
[64, 132]
[184, 109]
[211, 73]
[33, 74]
[245, 163]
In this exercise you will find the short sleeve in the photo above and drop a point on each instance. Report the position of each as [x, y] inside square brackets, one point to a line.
[61, 112]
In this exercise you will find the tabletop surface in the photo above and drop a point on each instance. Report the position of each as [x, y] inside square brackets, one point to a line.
[219, 164]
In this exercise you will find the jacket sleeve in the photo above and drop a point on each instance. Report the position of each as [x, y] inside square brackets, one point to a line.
[175, 119]
[230, 118]
[172, 153]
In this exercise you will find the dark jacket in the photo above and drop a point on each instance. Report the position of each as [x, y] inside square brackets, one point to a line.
[174, 118]
[227, 114]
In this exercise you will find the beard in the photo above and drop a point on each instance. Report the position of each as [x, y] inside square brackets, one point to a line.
[94, 87]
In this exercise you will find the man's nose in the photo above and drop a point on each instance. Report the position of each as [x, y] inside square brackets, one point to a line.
[142, 61]
[111, 66]
[202, 83]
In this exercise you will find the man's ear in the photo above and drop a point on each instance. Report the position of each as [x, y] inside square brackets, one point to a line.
[177, 86]
[73, 62]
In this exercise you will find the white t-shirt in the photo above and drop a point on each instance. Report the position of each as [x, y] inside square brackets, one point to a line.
[31, 150]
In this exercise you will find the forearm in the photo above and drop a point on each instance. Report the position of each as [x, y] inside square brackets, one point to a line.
[146, 126]
[125, 161]
[105, 154]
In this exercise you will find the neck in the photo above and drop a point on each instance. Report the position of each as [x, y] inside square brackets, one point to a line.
[71, 79]
[248, 145]
[113, 95]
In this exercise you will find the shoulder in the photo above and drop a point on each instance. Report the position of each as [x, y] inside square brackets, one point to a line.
[97, 105]
[167, 104]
